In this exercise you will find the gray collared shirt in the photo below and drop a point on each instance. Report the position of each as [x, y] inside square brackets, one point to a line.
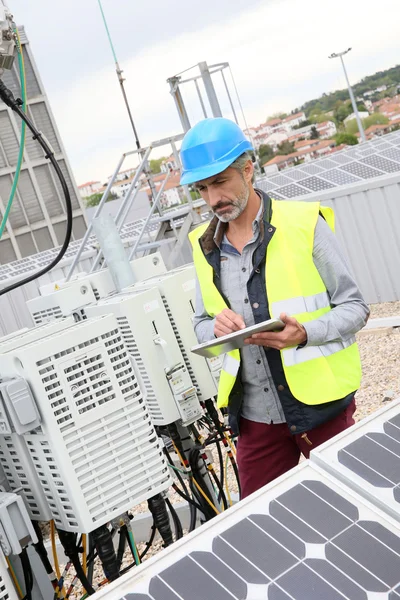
[348, 315]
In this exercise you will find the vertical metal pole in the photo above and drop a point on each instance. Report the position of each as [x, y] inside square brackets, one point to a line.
[114, 252]
[353, 101]
[185, 187]
[124, 203]
[210, 91]
[96, 214]
[229, 96]
[153, 208]
[200, 98]
[176, 94]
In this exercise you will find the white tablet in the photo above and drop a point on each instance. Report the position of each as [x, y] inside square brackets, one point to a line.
[235, 340]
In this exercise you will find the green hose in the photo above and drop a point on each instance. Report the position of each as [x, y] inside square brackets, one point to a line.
[22, 140]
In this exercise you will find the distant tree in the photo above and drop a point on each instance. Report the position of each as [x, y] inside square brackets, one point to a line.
[265, 152]
[94, 199]
[314, 135]
[320, 118]
[361, 107]
[155, 164]
[302, 124]
[277, 115]
[374, 119]
[345, 138]
[285, 147]
[342, 111]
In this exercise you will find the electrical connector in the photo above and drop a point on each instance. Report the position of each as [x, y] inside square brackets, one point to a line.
[20, 405]
[16, 530]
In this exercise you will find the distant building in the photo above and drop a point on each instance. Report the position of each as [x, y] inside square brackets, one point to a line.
[326, 129]
[362, 114]
[126, 174]
[173, 192]
[89, 188]
[292, 121]
[315, 149]
[169, 164]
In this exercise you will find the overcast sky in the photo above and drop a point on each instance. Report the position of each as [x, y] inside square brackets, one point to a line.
[277, 49]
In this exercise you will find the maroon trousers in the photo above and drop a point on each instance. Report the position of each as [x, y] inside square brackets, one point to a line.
[265, 452]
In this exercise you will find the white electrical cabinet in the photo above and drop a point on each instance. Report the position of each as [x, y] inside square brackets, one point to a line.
[150, 339]
[177, 290]
[148, 266]
[100, 281]
[62, 303]
[7, 589]
[95, 449]
[15, 459]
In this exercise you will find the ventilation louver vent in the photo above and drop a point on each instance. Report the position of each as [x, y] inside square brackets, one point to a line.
[182, 347]
[151, 400]
[48, 314]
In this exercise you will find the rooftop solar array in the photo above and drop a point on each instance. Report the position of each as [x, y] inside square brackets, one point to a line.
[304, 536]
[367, 458]
[380, 156]
[129, 233]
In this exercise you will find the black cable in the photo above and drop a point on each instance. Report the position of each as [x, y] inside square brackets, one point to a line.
[102, 539]
[90, 558]
[149, 543]
[221, 466]
[27, 571]
[176, 520]
[43, 555]
[188, 499]
[8, 98]
[193, 517]
[212, 411]
[123, 536]
[158, 509]
[220, 488]
[71, 550]
[194, 458]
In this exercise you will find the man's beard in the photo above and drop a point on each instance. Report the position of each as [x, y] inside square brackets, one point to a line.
[237, 206]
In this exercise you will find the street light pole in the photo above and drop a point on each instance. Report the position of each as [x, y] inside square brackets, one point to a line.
[353, 100]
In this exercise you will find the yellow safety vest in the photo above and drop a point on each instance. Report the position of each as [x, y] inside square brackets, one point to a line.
[315, 374]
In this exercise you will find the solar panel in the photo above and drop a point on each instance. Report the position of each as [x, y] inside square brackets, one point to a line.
[303, 537]
[316, 184]
[291, 191]
[311, 169]
[367, 458]
[393, 153]
[277, 196]
[382, 163]
[267, 185]
[340, 177]
[296, 173]
[327, 163]
[279, 180]
[341, 158]
[361, 170]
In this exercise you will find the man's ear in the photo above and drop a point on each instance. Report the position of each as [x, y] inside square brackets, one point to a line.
[248, 171]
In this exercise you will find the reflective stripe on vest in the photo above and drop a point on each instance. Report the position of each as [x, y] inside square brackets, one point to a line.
[315, 374]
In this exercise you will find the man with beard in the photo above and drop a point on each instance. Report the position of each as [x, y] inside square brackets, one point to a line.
[258, 258]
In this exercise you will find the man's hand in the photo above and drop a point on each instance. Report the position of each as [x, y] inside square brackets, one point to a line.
[227, 322]
[292, 335]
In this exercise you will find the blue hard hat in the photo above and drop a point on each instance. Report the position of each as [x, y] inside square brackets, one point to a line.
[210, 147]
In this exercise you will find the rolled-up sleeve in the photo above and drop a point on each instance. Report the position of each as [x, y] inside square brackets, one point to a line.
[202, 322]
[349, 311]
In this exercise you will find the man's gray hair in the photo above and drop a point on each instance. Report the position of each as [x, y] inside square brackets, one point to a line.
[240, 163]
